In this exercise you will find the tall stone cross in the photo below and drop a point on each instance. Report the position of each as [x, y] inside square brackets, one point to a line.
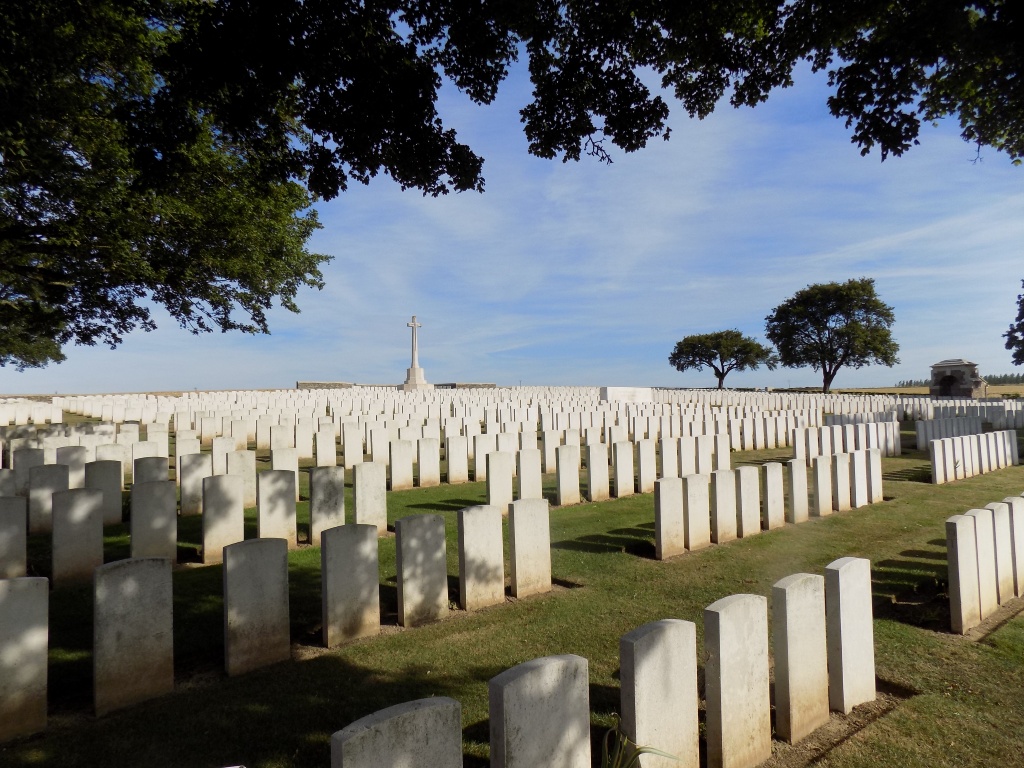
[415, 344]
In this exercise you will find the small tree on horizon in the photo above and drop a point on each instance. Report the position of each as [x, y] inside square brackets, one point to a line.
[722, 351]
[829, 326]
[1015, 336]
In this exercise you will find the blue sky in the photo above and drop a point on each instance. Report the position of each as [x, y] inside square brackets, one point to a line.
[587, 274]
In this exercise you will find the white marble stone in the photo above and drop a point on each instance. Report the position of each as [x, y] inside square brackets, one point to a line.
[44, 481]
[326, 501]
[195, 468]
[748, 501]
[669, 533]
[773, 498]
[821, 496]
[481, 558]
[723, 506]
[223, 515]
[1003, 545]
[529, 544]
[962, 562]
[528, 476]
[154, 520]
[696, 511]
[275, 506]
[422, 569]
[567, 475]
[851, 637]
[351, 583]
[13, 537]
[77, 535]
[369, 495]
[425, 733]
[800, 653]
[243, 464]
[133, 636]
[540, 714]
[499, 479]
[739, 729]
[658, 681]
[24, 643]
[256, 623]
[984, 537]
[597, 472]
[796, 501]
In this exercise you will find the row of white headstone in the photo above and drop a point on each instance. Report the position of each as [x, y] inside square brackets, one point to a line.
[133, 653]
[957, 458]
[823, 646]
[694, 511]
[985, 557]
[937, 429]
[846, 438]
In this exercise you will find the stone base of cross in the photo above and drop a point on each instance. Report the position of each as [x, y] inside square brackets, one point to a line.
[415, 380]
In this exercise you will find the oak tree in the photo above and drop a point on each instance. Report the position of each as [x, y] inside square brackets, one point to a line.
[722, 352]
[829, 326]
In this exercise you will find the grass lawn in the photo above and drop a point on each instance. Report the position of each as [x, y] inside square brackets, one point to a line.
[954, 701]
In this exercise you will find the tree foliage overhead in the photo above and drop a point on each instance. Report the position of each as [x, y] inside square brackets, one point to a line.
[723, 352]
[169, 150]
[1015, 335]
[828, 326]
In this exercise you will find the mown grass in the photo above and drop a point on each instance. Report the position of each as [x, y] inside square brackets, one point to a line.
[966, 707]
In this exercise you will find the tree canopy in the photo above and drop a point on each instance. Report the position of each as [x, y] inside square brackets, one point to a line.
[722, 352]
[168, 151]
[1015, 335]
[828, 326]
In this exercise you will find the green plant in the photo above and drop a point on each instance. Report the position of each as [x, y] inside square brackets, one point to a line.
[618, 751]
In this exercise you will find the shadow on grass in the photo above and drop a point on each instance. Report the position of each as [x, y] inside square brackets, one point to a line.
[910, 475]
[450, 504]
[912, 592]
[603, 543]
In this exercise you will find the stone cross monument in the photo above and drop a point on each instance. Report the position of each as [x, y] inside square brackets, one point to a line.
[414, 378]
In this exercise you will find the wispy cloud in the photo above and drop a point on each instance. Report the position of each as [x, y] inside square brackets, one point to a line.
[584, 273]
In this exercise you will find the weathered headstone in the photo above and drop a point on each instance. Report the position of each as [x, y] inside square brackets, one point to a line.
[851, 641]
[567, 475]
[256, 628]
[658, 671]
[669, 532]
[351, 586]
[962, 563]
[984, 536]
[540, 714]
[499, 479]
[622, 463]
[149, 469]
[13, 537]
[723, 506]
[24, 644]
[739, 728]
[77, 535]
[223, 515]
[426, 732]
[801, 658]
[75, 456]
[275, 506]
[106, 476]
[457, 457]
[369, 495]
[133, 636]
[773, 514]
[195, 468]
[481, 558]
[528, 476]
[326, 501]
[45, 480]
[748, 501]
[422, 569]
[696, 511]
[529, 543]
[796, 502]
[428, 462]
[243, 464]
[597, 472]
[401, 465]
[154, 520]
